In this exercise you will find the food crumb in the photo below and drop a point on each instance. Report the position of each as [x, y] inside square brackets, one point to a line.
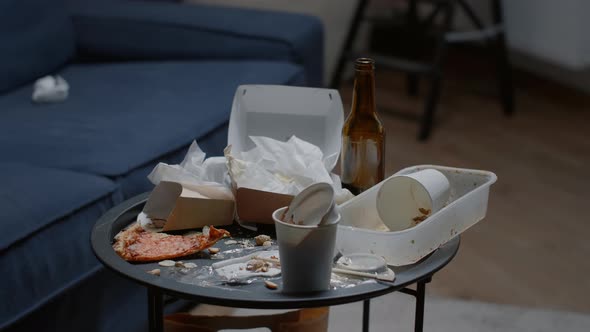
[213, 251]
[155, 272]
[424, 211]
[254, 265]
[246, 244]
[419, 219]
[190, 265]
[229, 242]
[267, 244]
[260, 239]
[167, 263]
[270, 285]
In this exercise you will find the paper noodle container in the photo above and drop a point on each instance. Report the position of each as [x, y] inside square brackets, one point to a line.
[280, 112]
[185, 206]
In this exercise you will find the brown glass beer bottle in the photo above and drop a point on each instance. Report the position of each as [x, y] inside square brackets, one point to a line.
[363, 138]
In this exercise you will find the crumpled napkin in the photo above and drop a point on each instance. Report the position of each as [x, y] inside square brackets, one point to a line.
[194, 169]
[50, 89]
[274, 166]
[281, 167]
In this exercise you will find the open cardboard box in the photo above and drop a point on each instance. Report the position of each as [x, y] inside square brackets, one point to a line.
[186, 206]
[279, 112]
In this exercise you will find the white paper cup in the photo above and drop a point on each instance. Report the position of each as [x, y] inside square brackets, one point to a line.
[306, 254]
[360, 211]
[401, 197]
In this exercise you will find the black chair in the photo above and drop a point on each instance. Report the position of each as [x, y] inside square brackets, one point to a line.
[494, 37]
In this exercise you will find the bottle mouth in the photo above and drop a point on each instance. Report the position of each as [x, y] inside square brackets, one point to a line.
[364, 64]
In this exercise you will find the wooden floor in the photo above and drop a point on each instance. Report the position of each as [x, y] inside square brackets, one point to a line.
[533, 248]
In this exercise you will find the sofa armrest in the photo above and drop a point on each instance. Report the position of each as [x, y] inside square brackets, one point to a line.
[164, 31]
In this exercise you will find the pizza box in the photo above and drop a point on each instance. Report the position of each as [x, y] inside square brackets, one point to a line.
[186, 206]
[279, 112]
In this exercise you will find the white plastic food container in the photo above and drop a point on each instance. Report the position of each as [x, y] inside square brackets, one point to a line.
[467, 205]
[276, 111]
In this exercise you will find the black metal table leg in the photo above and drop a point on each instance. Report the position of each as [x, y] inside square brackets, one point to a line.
[420, 295]
[155, 310]
[366, 314]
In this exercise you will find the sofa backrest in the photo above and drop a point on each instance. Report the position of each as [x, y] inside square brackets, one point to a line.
[37, 37]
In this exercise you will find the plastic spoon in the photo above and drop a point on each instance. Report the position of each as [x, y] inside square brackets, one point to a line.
[310, 205]
[332, 216]
[389, 276]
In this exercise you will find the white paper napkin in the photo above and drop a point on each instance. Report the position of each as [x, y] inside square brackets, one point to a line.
[281, 167]
[50, 89]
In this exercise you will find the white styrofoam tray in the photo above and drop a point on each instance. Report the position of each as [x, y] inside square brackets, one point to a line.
[467, 205]
[312, 114]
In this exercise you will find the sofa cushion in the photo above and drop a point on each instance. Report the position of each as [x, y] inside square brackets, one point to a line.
[131, 31]
[37, 38]
[33, 198]
[136, 181]
[122, 116]
[45, 220]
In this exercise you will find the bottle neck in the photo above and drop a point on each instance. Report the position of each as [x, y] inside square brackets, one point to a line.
[363, 94]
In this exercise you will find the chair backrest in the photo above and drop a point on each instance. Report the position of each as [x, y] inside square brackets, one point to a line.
[37, 38]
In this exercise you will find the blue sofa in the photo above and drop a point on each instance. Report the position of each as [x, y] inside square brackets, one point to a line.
[145, 80]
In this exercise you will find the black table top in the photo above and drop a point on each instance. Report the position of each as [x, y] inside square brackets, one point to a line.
[254, 295]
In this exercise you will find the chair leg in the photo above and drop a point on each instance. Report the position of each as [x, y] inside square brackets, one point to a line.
[436, 76]
[412, 25]
[348, 43]
[412, 84]
[502, 64]
[429, 108]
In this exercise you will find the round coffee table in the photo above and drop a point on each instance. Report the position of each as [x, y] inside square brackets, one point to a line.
[253, 295]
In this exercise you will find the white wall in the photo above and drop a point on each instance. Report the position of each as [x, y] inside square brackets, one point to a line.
[550, 37]
[554, 31]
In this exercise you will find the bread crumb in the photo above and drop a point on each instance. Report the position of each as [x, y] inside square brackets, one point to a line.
[270, 285]
[260, 239]
[155, 272]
